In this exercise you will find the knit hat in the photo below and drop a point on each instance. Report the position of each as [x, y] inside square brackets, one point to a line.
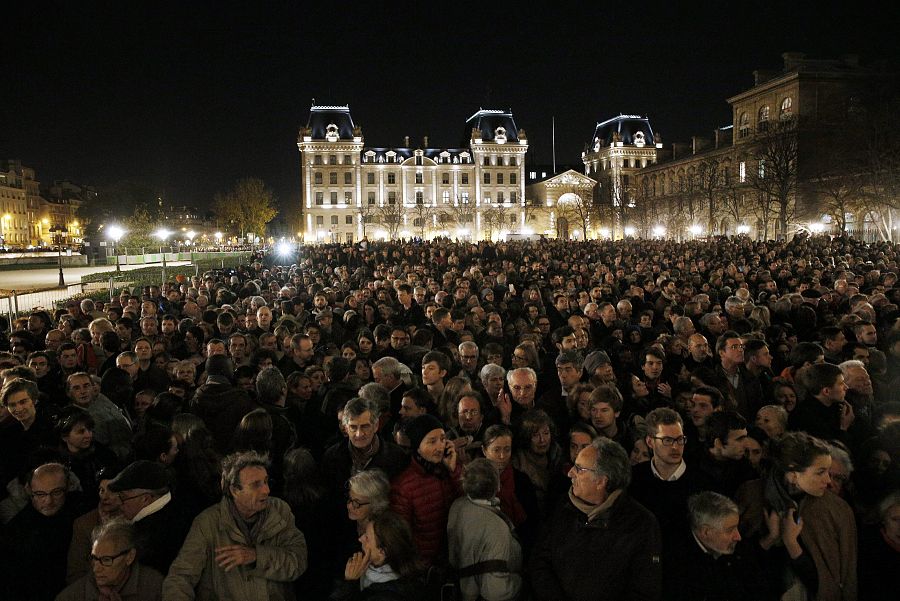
[595, 360]
[419, 427]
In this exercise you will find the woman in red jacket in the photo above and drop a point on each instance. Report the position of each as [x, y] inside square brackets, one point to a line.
[423, 493]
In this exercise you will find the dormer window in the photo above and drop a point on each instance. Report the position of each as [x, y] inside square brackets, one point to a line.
[500, 135]
[639, 140]
[331, 133]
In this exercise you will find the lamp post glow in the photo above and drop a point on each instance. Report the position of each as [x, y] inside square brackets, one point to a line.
[162, 233]
[629, 231]
[115, 233]
[659, 231]
[695, 230]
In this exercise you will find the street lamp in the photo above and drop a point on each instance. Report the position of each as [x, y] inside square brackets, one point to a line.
[115, 233]
[59, 230]
[162, 233]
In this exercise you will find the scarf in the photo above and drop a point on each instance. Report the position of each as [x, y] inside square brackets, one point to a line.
[776, 494]
[536, 467]
[378, 574]
[361, 457]
[438, 470]
[250, 530]
[594, 511]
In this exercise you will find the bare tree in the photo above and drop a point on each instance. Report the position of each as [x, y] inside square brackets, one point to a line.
[421, 214]
[775, 176]
[708, 184]
[368, 212]
[391, 217]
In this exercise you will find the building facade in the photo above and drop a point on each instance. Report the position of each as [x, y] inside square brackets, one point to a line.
[754, 176]
[350, 190]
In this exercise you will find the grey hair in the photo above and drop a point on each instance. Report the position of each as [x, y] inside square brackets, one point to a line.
[490, 370]
[886, 503]
[850, 364]
[378, 394]
[270, 385]
[118, 529]
[612, 462]
[357, 406]
[234, 464]
[681, 324]
[780, 412]
[521, 370]
[709, 508]
[481, 480]
[389, 366]
[468, 345]
[839, 454]
[374, 486]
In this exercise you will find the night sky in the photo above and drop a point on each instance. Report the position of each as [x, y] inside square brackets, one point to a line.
[190, 96]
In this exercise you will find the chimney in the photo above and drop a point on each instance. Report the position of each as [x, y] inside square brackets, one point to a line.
[792, 60]
[679, 149]
[698, 144]
[425, 142]
[405, 141]
[719, 136]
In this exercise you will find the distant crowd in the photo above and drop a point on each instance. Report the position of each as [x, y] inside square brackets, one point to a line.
[387, 421]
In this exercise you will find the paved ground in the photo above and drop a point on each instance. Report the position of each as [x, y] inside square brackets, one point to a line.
[32, 279]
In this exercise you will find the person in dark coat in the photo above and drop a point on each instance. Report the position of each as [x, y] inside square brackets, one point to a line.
[599, 519]
[34, 545]
[219, 403]
[160, 524]
[711, 562]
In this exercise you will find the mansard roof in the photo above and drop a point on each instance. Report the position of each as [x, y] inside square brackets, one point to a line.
[626, 128]
[320, 117]
[488, 121]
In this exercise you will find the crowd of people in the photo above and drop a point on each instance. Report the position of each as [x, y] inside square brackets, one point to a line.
[546, 420]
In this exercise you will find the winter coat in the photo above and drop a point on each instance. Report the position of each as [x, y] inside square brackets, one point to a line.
[829, 535]
[280, 558]
[143, 584]
[615, 556]
[424, 500]
[479, 533]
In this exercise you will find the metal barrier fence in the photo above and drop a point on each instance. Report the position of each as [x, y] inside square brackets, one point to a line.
[14, 303]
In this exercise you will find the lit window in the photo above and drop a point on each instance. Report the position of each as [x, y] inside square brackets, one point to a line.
[744, 125]
[763, 119]
[445, 196]
[465, 198]
[787, 107]
[762, 169]
[742, 172]
[348, 197]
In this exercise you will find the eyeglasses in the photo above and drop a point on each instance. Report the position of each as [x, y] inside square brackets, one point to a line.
[668, 441]
[123, 499]
[55, 493]
[356, 504]
[580, 470]
[107, 560]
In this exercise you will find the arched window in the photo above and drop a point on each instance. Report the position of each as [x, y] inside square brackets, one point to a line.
[787, 107]
[744, 125]
[762, 122]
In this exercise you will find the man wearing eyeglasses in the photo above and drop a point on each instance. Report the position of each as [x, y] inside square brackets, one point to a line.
[35, 543]
[160, 525]
[598, 517]
[664, 483]
[115, 573]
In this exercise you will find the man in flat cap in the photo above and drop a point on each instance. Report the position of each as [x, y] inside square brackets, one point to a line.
[159, 524]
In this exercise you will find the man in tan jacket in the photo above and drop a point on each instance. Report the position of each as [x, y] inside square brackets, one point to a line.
[246, 547]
